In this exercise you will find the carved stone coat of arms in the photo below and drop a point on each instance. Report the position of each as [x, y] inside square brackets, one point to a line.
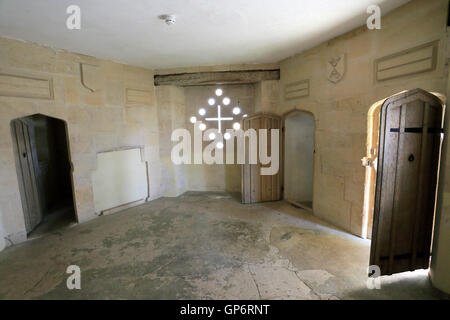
[336, 68]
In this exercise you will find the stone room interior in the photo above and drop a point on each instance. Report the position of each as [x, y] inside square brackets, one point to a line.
[243, 150]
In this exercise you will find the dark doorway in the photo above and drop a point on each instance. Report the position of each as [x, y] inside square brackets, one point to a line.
[44, 173]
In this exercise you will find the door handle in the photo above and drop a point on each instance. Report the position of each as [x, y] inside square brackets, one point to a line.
[366, 162]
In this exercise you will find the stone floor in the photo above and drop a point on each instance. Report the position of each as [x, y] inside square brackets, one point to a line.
[59, 217]
[201, 246]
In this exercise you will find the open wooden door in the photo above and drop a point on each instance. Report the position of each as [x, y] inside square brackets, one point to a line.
[26, 162]
[257, 187]
[405, 195]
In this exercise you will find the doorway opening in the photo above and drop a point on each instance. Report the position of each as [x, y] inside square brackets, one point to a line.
[298, 145]
[402, 168]
[370, 160]
[44, 173]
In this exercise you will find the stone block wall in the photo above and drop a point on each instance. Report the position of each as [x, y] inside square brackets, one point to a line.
[341, 108]
[266, 96]
[116, 106]
[216, 177]
[106, 106]
[120, 112]
[171, 109]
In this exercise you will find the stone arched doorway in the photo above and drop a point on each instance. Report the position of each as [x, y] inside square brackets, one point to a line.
[371, 158]
[404, 147]
[298, 158]
[44, 173]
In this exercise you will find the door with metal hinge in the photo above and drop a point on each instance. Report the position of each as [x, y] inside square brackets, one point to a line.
[407, 173]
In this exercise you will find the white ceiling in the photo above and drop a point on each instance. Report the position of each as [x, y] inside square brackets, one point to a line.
[207, 32]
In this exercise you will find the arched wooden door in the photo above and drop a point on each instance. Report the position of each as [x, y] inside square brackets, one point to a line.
[409, 143]
[256, 187]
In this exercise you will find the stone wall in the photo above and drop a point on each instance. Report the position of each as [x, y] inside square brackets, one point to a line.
[106, 106]
[440, 262]
[216, 177]
[266, 96]
[121, 112]
[171, 110]
[115, 106]
[340, 109]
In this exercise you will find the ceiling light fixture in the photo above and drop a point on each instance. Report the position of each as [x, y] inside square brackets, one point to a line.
[169, 19]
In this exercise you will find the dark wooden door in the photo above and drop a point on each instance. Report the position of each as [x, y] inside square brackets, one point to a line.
[405, 195]
[257, 187]
[26, 163]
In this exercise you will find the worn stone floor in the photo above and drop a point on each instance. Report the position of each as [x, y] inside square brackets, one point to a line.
[201, 246]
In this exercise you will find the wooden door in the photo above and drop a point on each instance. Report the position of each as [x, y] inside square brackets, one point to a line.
[257, 187]
[405, 195]
[26, 162]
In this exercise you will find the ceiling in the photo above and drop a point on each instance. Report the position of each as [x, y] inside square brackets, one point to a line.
[207, 32]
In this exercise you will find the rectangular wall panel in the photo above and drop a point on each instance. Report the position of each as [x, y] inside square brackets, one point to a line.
[296, 90]
[415, 60]
[139, 97]
[25, 86]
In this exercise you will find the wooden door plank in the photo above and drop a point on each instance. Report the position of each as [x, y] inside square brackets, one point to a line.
[22, 172]
[276, 177]
[385, 189]
[405, 197]
[255, 177]
[256, 187]
[393, 227]
[266, 186]
[421, 179]
[36, 215]
[246, 167]
[406, 185]
[430, 181]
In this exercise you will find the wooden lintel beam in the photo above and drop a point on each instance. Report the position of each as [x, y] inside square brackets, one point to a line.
[211, 78]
